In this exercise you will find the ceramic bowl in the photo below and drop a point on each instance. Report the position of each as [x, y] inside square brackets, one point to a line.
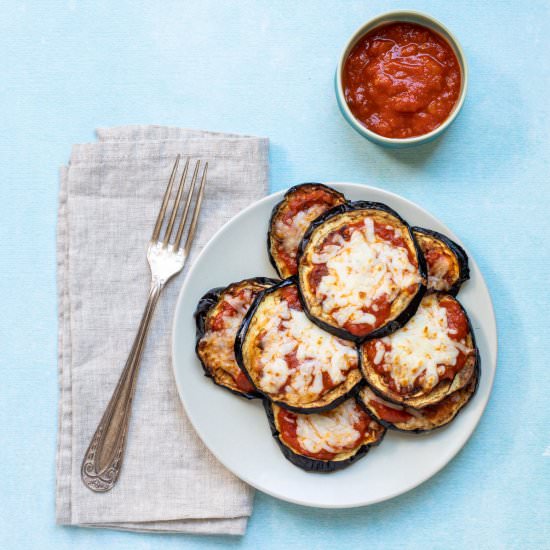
[394, 17]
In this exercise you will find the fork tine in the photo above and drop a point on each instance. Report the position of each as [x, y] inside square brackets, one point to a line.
[162, 211]
[187, 205]
[175, 207]
[194, 219]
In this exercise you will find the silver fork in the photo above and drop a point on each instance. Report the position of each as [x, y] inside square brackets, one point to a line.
[103, 459]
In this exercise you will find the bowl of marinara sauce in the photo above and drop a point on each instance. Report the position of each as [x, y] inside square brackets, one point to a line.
[401, 79]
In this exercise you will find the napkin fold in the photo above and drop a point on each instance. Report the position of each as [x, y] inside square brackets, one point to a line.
[110, 194]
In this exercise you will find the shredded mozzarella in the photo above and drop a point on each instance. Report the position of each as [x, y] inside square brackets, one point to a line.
[290, 331]
[438, 271]
[240, 303]
[220, 343]
[291, 235]
[360, 271]
[420, 347]
[332, 431]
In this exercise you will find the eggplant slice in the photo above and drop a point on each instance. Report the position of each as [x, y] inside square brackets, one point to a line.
[423, 363]
[327, 441]
[407, 419]
[291, 217]
[447, 262]
[288, 359]
[361, 272]
[215, 332]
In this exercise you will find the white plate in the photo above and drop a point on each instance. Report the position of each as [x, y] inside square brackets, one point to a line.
[236, 430]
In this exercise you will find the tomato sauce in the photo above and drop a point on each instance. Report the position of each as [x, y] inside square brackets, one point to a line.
[292, 360]
[293, 363]
[401, 80]
[388, 413]
[304, 199]
[433, 258]
[383, 231]
[290, 295]
[327, 381]
[299, 201]
[217, 323]
[387, 233]
[226, 310]
[456, 321]
[371, 353]
[287, 427]
[317, 273]
[287, 422]
[243, 383]
[381, 307]
[288, 259]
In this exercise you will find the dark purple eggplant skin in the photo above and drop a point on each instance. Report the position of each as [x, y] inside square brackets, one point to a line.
[239, 341]
[477, 366]
[311, 464]
[275, 211]
[457, 250]
[206, 303]
[402, 319]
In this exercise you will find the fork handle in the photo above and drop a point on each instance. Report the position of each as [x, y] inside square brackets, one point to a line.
[103, 458]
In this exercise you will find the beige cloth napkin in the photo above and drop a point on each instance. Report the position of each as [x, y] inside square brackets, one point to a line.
[109, 197]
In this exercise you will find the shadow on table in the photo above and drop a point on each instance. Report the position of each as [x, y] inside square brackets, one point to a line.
[417, 155]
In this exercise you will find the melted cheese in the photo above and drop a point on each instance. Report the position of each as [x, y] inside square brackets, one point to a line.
[291, 235]
[423, 347]
[218, 345]
[360, 271]
[290, 331]
[438, 271]
[332, 431]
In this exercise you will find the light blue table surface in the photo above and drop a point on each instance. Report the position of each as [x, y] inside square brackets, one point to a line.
[266, 68]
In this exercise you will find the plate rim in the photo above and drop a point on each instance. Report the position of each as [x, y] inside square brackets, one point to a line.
[490, 338]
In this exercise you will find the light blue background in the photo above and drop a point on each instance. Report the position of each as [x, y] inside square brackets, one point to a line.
[266, 68]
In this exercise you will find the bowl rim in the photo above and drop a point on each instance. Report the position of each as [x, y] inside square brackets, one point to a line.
[386, 18]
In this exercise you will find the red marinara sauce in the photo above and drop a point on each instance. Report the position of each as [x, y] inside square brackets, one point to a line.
[300, 201]
[390, 414]
[290, 295]
[457, 323]
[434, 257]
[287, 421]
[381, 307]
[217, 323]
[401, 80]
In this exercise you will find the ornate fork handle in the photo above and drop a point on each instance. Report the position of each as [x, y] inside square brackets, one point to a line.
[103, 459]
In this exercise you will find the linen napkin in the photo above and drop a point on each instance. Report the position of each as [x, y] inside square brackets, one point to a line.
[110, 194]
